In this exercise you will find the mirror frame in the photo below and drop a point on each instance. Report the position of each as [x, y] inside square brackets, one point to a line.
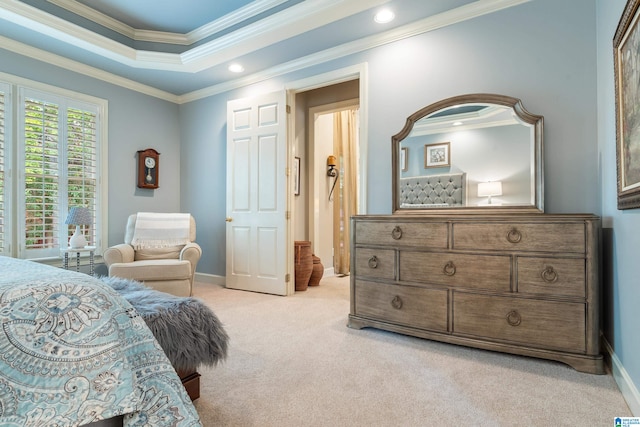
[538, 152]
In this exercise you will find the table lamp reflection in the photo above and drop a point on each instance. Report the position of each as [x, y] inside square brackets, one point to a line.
[488, 189]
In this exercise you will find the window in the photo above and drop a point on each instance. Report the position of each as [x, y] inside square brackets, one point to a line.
[59, 153]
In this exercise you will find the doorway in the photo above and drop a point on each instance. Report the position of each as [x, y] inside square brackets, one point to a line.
[333, 137]
[324, 89]
[327, 124]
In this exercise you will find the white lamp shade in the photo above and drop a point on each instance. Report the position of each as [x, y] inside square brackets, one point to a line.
[493, 188]
[79, 216]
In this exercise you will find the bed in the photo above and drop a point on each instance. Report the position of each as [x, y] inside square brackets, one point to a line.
[74, 352]
[443, 190]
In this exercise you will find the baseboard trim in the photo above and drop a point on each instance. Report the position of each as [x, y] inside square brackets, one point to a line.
[221, 280]
[210, 278]
[623, 380]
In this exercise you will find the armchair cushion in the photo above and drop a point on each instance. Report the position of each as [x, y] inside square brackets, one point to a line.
[157, 269]
[170, 252]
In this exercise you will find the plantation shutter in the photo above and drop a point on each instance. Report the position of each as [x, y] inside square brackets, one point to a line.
[82, 164]
[41, 176]
[4, 236]
[60, 166]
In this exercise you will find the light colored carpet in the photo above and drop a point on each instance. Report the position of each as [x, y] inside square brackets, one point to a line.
[294, 362]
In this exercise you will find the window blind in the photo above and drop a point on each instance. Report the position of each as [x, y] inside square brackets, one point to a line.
[41, 174]
[82, 163]
[3, 182]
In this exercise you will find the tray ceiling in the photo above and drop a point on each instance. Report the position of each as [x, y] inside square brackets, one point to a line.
[178, 49]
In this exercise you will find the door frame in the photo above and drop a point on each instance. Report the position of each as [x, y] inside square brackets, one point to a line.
[360, 72]
[314, 181]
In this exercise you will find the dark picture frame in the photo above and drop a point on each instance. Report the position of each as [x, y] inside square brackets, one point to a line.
[437, 155]
[626, 45]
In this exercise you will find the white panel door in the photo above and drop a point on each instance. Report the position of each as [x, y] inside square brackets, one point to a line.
[257, 248]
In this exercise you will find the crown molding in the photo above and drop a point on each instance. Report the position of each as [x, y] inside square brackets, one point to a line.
[247, 12]
[280, 26]
[293, 21]
[32, 18]
[237, 16]
[80, 68]
[95, 16]
[162, 37]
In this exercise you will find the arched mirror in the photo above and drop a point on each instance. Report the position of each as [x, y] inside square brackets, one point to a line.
[467, 154]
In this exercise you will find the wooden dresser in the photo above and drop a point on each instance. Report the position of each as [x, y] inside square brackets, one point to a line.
[525, 284]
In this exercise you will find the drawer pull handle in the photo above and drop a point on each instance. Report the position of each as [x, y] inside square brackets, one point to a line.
[513, 318]
[514, 236]
[449, 268]
[373, 262]
[396, 302]
[396, 233]
[549, 275]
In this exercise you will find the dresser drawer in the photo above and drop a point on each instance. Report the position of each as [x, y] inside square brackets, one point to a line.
[460, 270]
[430, 234]
[549, 237]
[376, 263]
[404, 305]
[552, 276]
[535, 323]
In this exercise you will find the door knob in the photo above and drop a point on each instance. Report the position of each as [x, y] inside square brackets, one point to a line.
[229, 219]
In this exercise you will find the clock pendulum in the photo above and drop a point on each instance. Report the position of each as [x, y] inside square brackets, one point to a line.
[150, 163]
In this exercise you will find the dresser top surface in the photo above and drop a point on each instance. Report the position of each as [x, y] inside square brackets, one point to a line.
[538, 217]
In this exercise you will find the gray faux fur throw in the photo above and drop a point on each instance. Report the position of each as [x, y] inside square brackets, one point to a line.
[187, 330]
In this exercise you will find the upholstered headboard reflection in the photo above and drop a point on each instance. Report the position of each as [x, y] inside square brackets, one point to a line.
[433, 190]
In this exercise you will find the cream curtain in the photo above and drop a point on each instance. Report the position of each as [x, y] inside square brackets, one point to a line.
[345, 197]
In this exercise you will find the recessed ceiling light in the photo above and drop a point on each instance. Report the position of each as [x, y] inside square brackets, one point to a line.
[457, 123]
[236, 68]
[384, 16]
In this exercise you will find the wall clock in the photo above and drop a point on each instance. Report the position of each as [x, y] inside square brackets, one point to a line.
[148, 163]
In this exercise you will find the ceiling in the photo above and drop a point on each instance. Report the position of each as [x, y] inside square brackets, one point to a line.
[182, 49]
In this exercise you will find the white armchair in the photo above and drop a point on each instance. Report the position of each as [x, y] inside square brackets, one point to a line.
[167, 269]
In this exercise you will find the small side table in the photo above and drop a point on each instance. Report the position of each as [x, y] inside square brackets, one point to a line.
[78, 251]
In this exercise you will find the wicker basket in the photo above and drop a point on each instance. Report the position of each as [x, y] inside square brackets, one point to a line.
[303, 264]
[317, 272]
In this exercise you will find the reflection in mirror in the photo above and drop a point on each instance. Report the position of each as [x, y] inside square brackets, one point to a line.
[469, 152]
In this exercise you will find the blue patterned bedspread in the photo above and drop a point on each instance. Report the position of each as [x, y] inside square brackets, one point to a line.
[73, 351]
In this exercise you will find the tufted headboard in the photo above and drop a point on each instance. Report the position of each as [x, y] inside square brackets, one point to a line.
[433, 190]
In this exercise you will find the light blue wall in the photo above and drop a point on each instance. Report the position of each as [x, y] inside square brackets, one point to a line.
[541, 52]
[204, 176]
[622, 227]
[136, 122]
